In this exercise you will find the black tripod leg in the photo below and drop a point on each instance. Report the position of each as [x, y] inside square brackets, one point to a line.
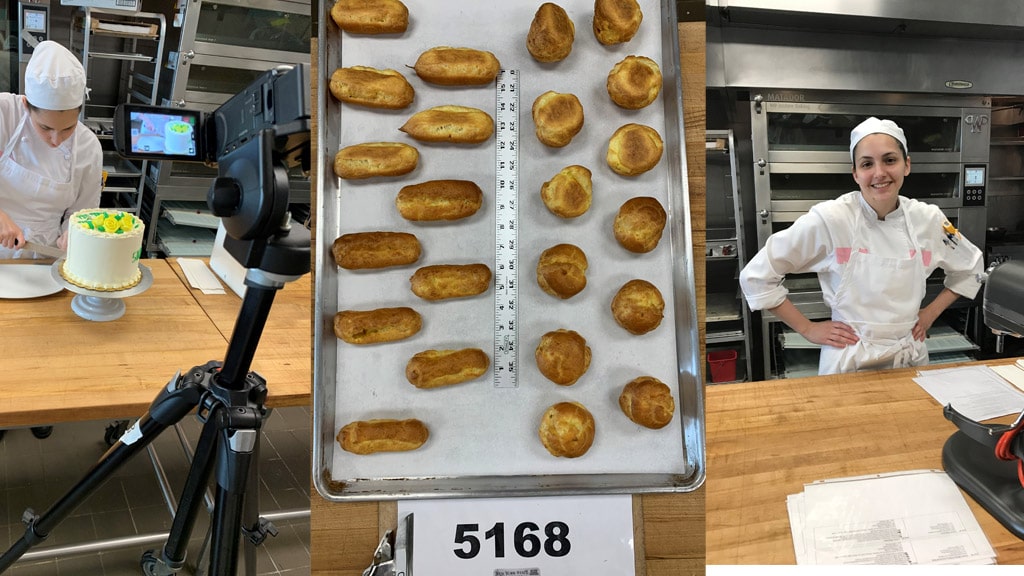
[251, 524]
[172, 404]
[238, 440]
[172, 557]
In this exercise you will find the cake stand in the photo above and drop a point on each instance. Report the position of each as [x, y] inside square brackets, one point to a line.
[100, 305]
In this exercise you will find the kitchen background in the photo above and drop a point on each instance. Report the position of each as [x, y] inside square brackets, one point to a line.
[192, 54]
[787, 80]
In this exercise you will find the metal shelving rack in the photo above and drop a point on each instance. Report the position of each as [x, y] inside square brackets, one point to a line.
[728, 317]
[136, 40]
[224, 45]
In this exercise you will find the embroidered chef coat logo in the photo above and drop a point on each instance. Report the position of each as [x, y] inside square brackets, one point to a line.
[951, 235]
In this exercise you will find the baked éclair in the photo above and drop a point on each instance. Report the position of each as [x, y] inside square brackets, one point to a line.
[364, 250]
[372, 87]
[377, 326]
[551, 34]
[382, 435]
[562, 270]
[567, 430]
[634, 149]
[634, 82]
[562, 356]
[439, 200]
[437, 368]
[568, 194]
[456, 124]
[648, 402]
[371, 16]
[443, 281]
[639, 224]
[453, 66]
[375, 159]
[557, 118]
[638, 306]
[616, 21]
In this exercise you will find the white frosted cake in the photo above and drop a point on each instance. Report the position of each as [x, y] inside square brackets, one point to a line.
[104, 247]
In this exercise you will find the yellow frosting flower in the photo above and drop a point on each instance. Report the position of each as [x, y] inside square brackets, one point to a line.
[97, 221]
[110, 225]
[127, 222]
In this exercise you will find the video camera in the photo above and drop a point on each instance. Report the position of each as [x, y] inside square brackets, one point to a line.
[252, 139]
[278, 100]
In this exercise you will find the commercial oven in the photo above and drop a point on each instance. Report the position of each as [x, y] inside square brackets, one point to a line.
[801, 146]
[801, 156]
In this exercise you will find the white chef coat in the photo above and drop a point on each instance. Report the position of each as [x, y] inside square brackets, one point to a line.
[871, 273]
[40, 186]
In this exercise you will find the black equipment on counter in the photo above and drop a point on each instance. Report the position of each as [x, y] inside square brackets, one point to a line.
[987, 460]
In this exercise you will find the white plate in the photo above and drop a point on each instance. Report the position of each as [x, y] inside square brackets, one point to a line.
[26, 281]
[150, 144]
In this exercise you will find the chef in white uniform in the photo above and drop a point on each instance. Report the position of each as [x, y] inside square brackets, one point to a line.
[872, 250]
[51, 165]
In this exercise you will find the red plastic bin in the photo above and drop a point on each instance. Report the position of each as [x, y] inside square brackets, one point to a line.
[723, 365]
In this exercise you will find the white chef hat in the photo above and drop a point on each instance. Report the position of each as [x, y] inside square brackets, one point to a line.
[54, 78]
[875, 126]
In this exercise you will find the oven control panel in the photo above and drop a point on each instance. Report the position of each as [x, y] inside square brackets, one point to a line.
[974, 184]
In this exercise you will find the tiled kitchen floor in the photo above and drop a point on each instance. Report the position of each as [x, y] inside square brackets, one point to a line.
[35, 473]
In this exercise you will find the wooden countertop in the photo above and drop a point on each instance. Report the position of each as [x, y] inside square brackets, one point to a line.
[284, 355]
[670, 527]
[59, 367]
[767, 439]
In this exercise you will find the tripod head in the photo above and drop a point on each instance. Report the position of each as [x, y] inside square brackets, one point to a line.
[258, 133]
[251, 196]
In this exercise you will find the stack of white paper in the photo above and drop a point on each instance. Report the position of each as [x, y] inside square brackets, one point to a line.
[199, 276]
[914, 517]
[977, 392]
[1013, 373]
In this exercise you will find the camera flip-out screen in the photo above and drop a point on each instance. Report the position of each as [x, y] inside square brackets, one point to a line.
[160, 133]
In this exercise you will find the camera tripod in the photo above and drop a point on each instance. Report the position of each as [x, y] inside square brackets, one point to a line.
[229, 399]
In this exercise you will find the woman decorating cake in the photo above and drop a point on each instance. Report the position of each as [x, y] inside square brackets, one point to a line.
[51, 165]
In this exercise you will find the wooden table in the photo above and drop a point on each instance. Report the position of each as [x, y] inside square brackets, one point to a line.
[767, 439]
[284, 356]
[670, 527]
[59, 367]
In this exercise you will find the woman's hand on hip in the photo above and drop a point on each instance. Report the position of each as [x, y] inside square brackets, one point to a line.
[10, 233]
[924, 323]
[831, 333]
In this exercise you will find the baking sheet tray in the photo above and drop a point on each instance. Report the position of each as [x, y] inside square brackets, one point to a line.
[483, 439]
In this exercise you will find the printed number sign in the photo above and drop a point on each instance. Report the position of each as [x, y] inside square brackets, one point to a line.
[548, 536]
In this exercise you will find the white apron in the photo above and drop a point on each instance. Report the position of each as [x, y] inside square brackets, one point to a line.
[35, 202]
[880, 298]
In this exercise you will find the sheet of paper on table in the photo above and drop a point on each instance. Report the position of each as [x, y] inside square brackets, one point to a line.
[912, 517]
[199, 276]
[977, 392]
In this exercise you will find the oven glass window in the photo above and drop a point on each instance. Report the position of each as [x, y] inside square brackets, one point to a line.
[219, 79]
[254, 27]
[819, 132]
[920, 185]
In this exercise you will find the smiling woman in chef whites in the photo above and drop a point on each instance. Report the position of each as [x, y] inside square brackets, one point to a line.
[51, 165]
[872, 250]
